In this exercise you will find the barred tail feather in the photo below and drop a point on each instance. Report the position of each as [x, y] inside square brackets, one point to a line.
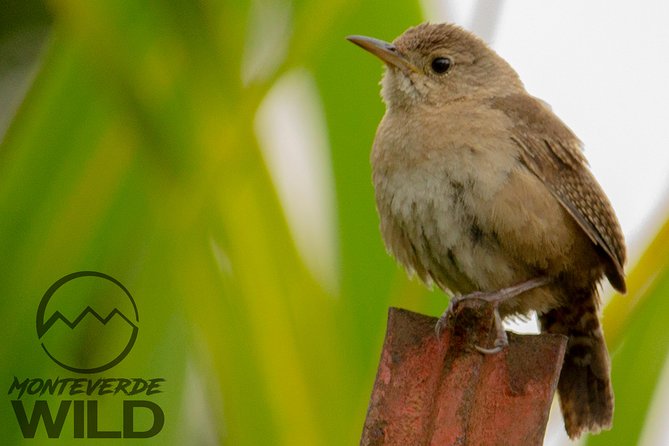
[584, 388]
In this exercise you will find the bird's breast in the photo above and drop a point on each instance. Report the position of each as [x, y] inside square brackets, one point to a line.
[431, 200]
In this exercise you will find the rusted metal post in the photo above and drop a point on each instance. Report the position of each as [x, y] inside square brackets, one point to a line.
[431, 391]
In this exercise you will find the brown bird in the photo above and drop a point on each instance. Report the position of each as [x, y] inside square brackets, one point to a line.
[482, 190]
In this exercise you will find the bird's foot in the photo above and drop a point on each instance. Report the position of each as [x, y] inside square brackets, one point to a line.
[495, 298]
[501, 340]
[448, 313]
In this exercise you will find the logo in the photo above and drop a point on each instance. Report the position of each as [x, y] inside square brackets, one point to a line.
[108, 324]
[87, 322]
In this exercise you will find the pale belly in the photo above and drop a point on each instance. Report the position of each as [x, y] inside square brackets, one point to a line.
[442, 227]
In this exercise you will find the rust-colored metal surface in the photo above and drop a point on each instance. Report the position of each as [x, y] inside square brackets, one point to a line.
[431, 391]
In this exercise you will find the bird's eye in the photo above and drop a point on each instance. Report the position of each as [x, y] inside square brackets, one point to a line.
[440, 65]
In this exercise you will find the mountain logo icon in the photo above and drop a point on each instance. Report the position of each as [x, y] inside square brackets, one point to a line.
[87, 322]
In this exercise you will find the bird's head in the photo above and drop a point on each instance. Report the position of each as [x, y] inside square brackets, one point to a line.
[437, 64]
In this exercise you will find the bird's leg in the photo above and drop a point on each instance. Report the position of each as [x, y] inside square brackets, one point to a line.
[495, 298]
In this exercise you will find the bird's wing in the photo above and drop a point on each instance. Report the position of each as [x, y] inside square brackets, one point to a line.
[553, 153]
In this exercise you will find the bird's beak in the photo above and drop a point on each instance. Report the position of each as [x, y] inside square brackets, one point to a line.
[384, 51]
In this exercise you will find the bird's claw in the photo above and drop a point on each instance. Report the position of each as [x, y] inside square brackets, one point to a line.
[501, 340]
[446, 315]
[495, 298]
[500, 344]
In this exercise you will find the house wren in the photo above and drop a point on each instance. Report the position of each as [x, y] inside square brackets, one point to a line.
[483, 191]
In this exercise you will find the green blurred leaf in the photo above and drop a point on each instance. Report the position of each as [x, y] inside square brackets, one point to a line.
[139, 135]
[635, 327]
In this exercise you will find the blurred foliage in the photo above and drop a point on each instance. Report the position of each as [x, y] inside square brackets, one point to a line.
[134, 153]
[635, 328]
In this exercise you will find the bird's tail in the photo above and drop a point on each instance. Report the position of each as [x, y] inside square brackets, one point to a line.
[586, 396]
